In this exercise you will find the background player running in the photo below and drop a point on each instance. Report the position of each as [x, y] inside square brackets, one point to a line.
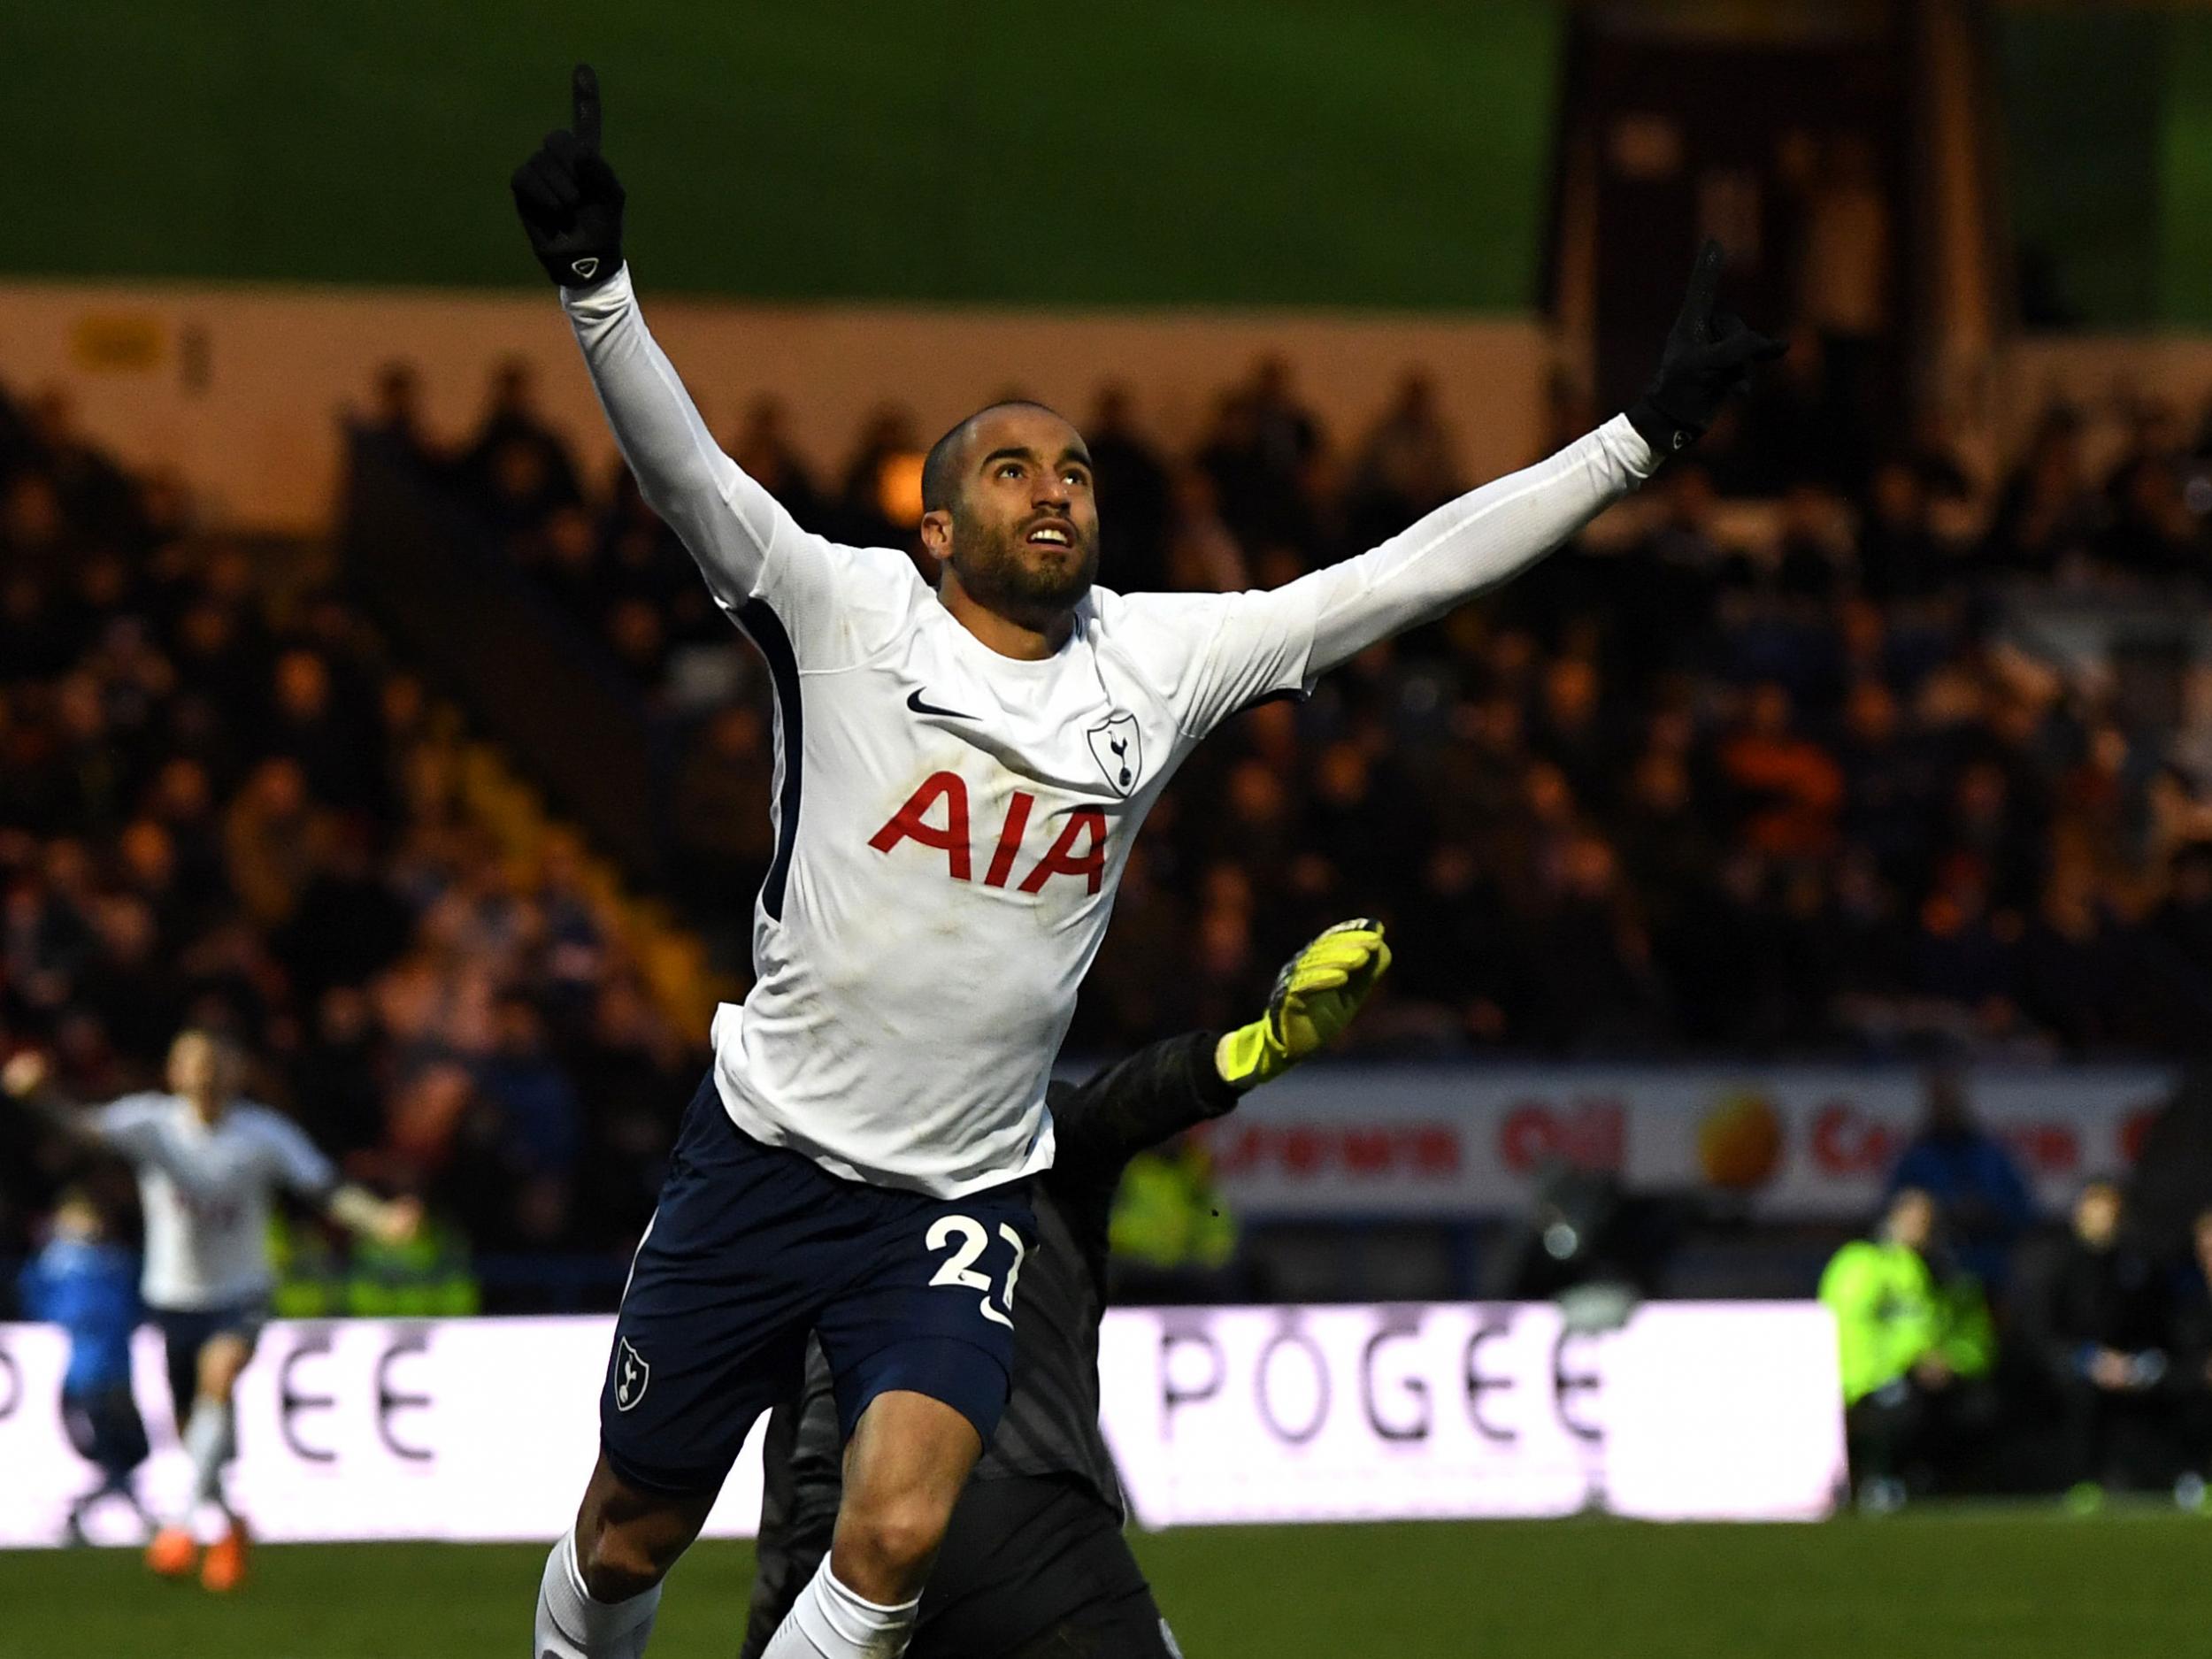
[1034, 1564]
[960, 773]
[208, 1163]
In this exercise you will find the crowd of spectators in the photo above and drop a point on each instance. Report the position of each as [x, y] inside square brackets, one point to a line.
[1979, 1350]
[219, 811]
[1798, 777]
[1777, 778]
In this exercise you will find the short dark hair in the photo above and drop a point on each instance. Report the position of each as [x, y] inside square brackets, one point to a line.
[940, 468]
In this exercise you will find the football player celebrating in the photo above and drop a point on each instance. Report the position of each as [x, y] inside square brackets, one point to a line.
[960, 771]
[1034, 1563]
[208, 1165]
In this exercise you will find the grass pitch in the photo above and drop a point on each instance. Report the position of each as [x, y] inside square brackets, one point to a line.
[1947, 1584]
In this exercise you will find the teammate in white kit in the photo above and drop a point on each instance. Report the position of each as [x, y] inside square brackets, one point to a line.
[960, 772]
[209, 1164]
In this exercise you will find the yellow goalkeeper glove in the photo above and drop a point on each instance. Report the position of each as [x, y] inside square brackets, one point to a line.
[1315, 997]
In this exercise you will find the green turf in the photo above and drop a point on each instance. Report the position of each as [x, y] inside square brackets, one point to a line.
[1956, 1584]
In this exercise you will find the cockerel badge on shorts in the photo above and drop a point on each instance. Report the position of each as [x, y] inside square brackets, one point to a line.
[1114, 746]
[630, 1376]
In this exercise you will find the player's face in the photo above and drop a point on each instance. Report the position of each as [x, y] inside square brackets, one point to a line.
[1912, 1221]
[2097, 1214]
[1025, 526]
[199, 1068]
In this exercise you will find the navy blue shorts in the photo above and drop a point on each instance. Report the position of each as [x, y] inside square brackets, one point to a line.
[752, 1248]
[104, 1425]
[186, 1331]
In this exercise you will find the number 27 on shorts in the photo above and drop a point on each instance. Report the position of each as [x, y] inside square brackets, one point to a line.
[959, 1269]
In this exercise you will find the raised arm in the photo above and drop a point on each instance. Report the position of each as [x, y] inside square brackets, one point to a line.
[1491, 533]
[571, 205]
[129, 1128]
[731, 524]
[1468, 544]
[28, 1081]
[360, 1211]
[1162, 1090]
[301, 1167]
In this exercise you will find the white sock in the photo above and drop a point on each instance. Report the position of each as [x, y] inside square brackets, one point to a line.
[209, 1436]
[830, 1622]
[571, 1625]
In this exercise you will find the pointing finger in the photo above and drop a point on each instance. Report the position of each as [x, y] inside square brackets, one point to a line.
[1697, 305]
[584, 102]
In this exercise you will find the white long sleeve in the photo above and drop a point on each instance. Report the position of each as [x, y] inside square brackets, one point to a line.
[728, 522]
[1468, 544]
[830, 606]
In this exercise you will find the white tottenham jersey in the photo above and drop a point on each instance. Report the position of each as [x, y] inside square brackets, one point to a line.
[951, 824]
[205, 1189]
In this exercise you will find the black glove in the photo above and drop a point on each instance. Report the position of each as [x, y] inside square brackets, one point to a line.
[1709, 355]
[569, 198]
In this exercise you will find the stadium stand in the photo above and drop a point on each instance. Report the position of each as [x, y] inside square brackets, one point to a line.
[1796, 755]
[224, 803]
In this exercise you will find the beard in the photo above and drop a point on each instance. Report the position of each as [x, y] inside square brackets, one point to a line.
[1001, 571]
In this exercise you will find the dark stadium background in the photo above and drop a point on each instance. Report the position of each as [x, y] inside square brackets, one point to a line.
[380, 724]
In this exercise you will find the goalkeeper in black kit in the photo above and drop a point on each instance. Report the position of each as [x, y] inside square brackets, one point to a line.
[1034, 1564]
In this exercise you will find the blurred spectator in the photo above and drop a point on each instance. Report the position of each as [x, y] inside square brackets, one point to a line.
[1899, 554]
[1915, 1351]
[1285, 432]
[2100, 1328]
[395, 413]
[723, 837]
[2172, 1184]
[348, 924]
[538, 1101]
[274, 838]
[2076, 966]
[88, 1284]
[337, 1075]
[1970, 1175]
[1406, 466]
[763, 449]
[879, 501]
[2151, 532]
[1795, 427]
[308, 725]
[1172, 1236]
[90, 495]
[1789, 790]
[1132, 494]
[517, 466]
[2046, 515]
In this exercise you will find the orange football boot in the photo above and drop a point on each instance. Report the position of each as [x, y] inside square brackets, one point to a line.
[225, 1567]
[172, 1552]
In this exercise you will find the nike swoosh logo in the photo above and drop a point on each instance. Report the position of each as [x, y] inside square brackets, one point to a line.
[914, 702]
